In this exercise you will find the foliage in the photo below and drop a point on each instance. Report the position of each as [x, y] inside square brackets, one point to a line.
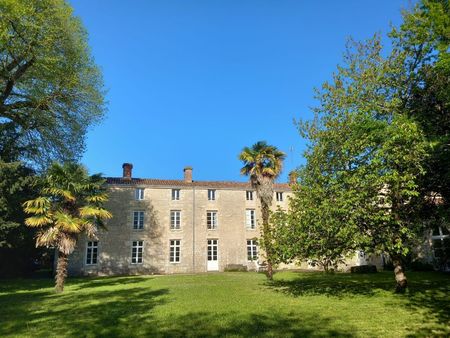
[70, 203]
[263, 163]
[17, 184]
[370, 145]
[227, 305]
[50, 88]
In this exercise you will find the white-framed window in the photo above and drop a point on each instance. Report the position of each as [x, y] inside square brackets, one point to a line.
[211, 194]
[250, 219]
[139, 194]
[211, 220]
[175, 194]
[136, 252]
[441, 242]
[175, 219]
[175, 246]
[252, 250]
[279, 196]
[138, 219]
[249, 195]
[91, 252]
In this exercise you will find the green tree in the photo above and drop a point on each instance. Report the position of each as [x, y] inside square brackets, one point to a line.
[70, 203]
[263, 164]
[50, 88]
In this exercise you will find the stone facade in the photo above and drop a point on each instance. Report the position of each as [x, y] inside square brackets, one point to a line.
[114, 245]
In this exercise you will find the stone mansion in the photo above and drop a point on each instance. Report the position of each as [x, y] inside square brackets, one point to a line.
[175, 226]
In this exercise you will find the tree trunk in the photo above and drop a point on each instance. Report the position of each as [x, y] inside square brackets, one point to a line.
[61, 271]
[400, 276]
[266, 238]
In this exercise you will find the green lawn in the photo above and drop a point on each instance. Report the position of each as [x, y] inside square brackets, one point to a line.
[228, 304]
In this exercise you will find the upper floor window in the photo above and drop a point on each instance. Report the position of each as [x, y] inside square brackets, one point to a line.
[249, 195]
[138, 220]
[91, 253]
[211, 220]
[211, 194]
[139, 194]
[250, 219]
[136, 252]
[175, 219]
[175, 194]
[175, 246]
[252, 252]
[279, 196]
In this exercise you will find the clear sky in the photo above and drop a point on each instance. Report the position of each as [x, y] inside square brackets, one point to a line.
[192, 82]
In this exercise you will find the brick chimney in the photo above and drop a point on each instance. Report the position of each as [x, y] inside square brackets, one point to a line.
[188, 174]
[127, 170]
[293, 177]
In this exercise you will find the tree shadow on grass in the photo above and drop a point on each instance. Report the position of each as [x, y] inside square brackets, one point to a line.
[331, 285]
[101, 313]
[203, 324]
[428, 293]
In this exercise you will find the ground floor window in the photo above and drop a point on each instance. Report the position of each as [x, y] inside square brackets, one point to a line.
[91, 253]
[252, 252]
[441, 243]
[136, 252]
[175, 246]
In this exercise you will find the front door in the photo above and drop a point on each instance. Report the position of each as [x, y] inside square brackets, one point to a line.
[213, 262]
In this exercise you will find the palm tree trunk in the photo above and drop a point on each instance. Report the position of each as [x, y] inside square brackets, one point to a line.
[266, 238]
[400, 276]
[61, 271]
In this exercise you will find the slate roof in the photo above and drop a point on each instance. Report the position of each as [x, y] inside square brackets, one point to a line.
[182, 184]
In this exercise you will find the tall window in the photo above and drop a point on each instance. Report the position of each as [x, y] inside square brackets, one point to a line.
[175, 219]
[249, 195]
[91, 253]
[250, 219]
[441, 242]
[279, 196]
[138, 220]
[136, 252]
[252, 253]
[175, 194]
[211, 195]
[139, 194]
[174, 256]
[211, 220]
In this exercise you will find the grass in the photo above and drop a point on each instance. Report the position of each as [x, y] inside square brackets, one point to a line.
[227, 304]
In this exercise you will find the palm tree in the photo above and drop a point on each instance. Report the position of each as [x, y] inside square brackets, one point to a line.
[263, 163]
[70, 203]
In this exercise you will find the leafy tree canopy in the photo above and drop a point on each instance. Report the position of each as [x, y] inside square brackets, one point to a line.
[50, 88]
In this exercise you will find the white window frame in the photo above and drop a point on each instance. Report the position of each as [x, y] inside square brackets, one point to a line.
[279, 196]
[176, 194]
[175, 219]
[441, 237]
[252, 250]
[138, 219]
[175, 251]
[139, 253]
[139, 194]
[212, 220]
[249, 195]
[250, 219]
[211, 194]
[91, 253]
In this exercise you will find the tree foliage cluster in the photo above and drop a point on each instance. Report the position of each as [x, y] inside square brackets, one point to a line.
[51, 92]
[378, 148]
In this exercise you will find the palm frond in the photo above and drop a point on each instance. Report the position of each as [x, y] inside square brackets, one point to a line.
[39, 205]
[91, 211]
[47, 237]
[38, 221]
[67, 223]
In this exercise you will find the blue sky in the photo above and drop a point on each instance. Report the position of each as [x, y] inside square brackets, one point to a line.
[193, 82]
